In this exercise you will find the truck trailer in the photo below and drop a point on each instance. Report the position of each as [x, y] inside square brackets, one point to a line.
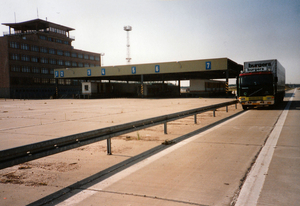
[261, 83]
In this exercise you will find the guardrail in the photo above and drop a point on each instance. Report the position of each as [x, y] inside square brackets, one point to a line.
[18, 155]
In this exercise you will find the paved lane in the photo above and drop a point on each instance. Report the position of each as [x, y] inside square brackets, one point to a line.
[255, 179]
[282, 184]
[207, 169]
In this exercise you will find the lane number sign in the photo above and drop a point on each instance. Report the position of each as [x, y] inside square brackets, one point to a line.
[207, 65]
[157, 68]
[89, 72]
[103, 71]
[133, 70]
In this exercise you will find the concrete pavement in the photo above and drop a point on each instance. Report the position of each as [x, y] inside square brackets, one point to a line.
[206, 169]
[282, 183]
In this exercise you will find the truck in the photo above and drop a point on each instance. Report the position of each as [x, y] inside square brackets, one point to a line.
[261, 83]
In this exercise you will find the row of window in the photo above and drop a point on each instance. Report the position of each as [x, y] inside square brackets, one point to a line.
[54, 40]
[44, 60]
[27, 69]
[35, 80]
[60, 81]
[43, 81]
[35, 48]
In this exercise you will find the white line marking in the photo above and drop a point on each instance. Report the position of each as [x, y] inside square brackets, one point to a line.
[255, 180]
[124, 173]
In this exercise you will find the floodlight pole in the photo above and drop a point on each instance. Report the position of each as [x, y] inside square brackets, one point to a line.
[102, 54]
[128, 29]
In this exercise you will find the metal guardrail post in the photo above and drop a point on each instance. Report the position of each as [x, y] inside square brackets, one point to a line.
[21, 154]
[195, 118]
[109, 146]
[226, 108]
[235, 106]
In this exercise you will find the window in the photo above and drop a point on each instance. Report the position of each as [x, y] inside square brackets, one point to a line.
[35, 48]
[86, 56]
[51, 51]
[25, 69]
[59, 41]
[34, 59]
[37, 80]
[68, 81]
[86, 65]
[44, 60]
[44, 71]
[61, 81]
[51, 71]
[25, 58]
[15, 57]
[45, 81]
[67, 53]
[67, 63]
[66, 42]
[44, 50]
[74, 64]
[97, 58]
[74, 55]
[25, 46]
[80, 64]
[75, 82]
[92, 65]
[35, 70]
[92, 58]
[14, 45]
[60, 62]
[15, 69]
[52, 81]
[50, 39]
[80, 56]
[60, 52]
[52, 61]
[42, 37]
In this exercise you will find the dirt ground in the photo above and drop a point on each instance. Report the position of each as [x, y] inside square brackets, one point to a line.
[25, 122]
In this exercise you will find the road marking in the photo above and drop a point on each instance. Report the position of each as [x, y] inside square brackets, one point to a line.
[79, 197]
[255, 180]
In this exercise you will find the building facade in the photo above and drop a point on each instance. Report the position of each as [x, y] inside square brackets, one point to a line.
[30, 52]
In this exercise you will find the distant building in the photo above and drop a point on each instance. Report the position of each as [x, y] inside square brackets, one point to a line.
[30, 52]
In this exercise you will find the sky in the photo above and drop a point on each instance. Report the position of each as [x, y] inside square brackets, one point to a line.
[174, 30]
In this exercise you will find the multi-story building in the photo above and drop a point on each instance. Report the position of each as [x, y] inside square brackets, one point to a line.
[29, 53]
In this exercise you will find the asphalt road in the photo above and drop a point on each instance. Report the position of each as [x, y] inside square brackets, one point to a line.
[209, 168]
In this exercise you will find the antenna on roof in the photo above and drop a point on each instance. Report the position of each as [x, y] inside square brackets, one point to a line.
[37, 12]
[15, 17]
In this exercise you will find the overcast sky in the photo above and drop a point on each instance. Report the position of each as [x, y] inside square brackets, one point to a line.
[174, 30]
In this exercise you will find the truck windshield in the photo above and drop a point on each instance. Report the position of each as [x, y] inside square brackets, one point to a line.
[256, 80]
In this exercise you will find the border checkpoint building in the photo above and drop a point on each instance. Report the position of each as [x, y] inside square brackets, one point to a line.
[38, 61]
[29, 53]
